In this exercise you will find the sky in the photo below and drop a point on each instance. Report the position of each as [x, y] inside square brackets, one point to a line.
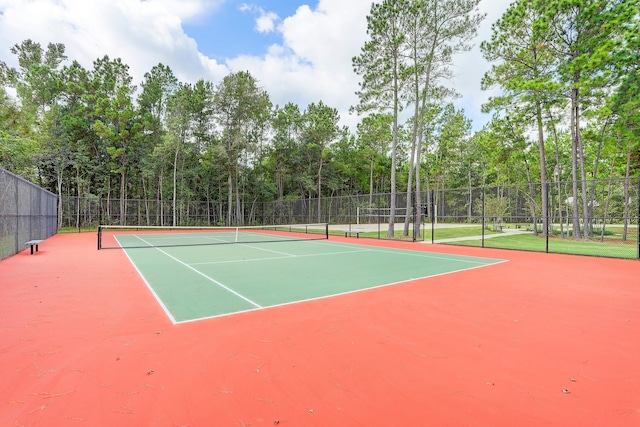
[299, 50]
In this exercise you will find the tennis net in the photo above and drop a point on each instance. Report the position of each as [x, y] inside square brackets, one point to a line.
[118, 236]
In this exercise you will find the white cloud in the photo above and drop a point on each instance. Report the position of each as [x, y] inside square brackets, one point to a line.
[312, 63]
[187, 10]
[266, 22]
[471, 66]
[142, 33]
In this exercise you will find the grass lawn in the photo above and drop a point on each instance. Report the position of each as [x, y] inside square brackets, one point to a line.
[75, 229]
[440, 233]
[451, 233]
[529, 242]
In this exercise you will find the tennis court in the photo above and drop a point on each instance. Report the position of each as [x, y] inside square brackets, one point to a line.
[539, 340]
[195, 275]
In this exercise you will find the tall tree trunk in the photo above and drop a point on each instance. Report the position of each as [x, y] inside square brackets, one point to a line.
[123, 195]
[175, 187]
[418, 198]
[532, 198]
[558, 182]
[394, 151]
[592, 195]
[574, 163]
[59, 190]
[239, 206]
[320, 186]
[407, 217]
[372, 163]
[625, 229]
[543, 172]
[606, 205]
[229, 196]
[586, 233]
[159, 212]
[79, 191]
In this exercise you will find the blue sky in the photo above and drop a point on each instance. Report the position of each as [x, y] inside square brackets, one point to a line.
[231, 29]
[299, 51]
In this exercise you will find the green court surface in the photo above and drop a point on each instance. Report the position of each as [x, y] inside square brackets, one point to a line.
[199, 282]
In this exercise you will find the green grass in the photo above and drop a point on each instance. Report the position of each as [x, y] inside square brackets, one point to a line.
[529, 242]
[440, 233]
[452, 233]
[64, 230]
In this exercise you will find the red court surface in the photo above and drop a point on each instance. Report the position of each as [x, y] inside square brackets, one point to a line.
[541, 340]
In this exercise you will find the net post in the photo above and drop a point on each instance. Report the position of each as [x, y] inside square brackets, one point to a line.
[326, 231]
[99, 237]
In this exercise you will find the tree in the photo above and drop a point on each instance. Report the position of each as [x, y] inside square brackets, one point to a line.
[381, 68]
[38, 84]
[206, 144]
[524, 68]
[587, 35]
[320, 129]
[625, 106]
[374, 135]
[452, 127]
[239, 106]
[39, 80]
[116, 119]
[287, 126]
[436, 31]
[157, 88]
[178, 135]
[18, 145]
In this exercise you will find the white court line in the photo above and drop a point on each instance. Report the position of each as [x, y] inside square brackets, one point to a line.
[267, 250]
[153, 292]
[334, 295]
[280, 257]
[365, 248]
[255, 304]
[420, 254]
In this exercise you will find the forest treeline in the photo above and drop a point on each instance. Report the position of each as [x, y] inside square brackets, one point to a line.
[567, 72]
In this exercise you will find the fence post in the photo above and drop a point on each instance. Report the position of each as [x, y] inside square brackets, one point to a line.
[431, 204]
[546, 220]
[638, 223]
[483, 214]
[16, 248]
[413, 213]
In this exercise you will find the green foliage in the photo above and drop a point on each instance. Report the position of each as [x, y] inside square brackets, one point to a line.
[566, 70]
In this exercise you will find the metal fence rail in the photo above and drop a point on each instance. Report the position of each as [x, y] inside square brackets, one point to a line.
[608, 219]
[605, 223]
[26, 212]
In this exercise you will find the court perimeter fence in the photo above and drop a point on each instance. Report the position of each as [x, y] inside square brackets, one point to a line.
[27, 212]
[605, 225]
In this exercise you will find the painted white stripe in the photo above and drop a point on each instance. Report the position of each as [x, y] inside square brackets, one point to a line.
[280, 257]
[460, 258]
[335, 295]
[144, 279]
[255, 304]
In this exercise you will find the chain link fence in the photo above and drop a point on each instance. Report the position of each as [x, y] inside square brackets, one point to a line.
[603, 222]
[88, 212]
[27, 212]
